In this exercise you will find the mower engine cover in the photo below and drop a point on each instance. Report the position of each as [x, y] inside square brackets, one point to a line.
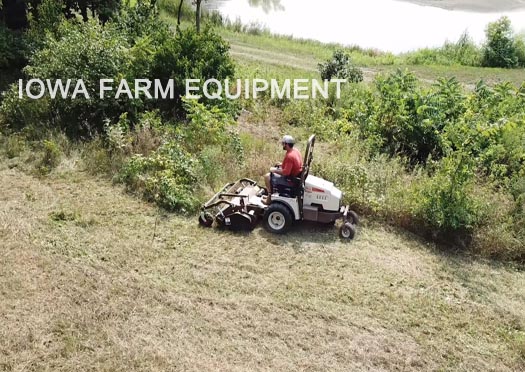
[323, 193]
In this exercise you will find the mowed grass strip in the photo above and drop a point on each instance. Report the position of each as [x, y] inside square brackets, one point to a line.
[94, 279]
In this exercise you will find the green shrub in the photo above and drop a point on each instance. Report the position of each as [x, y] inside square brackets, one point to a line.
[463, 52]
[341, 67]
[14, 146]
[50, 16]
[374, 185]
[446, 204]
[500, 49]
[167, 177]
[50, 157]
[135, 45]
[141, 20]
[407, 119]
[428, 56]
[23, 114]
[102, 56]
[519, 44]
[190, 55]
[194, 155]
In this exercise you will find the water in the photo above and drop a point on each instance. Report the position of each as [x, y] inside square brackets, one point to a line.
[387, 25]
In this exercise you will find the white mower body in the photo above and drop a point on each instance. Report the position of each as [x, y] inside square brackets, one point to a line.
[322, 193]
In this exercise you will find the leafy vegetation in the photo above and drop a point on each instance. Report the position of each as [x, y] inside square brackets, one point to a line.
[503, 48]
[134, 46]
[340, 67]
[175, 173]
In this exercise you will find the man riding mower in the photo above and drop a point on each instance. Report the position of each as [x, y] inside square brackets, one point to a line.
[293, 195]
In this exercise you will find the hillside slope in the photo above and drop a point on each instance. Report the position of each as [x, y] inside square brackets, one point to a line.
[94, 279]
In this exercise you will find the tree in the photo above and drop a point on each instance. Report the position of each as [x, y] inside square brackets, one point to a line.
[500, 49]
[179, 12]
[198, 4]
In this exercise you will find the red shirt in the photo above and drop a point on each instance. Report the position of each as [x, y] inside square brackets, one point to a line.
[292, 163]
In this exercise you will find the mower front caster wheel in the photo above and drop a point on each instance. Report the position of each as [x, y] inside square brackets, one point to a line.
[277, 219]
[206, 219]
[347, 231]
[353, 218]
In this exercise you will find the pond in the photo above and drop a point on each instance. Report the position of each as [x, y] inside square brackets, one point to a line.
[388, 25]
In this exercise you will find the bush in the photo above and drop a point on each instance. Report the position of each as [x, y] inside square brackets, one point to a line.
[14, 146]
[409, 120]
[446, 204]
[23, 114]
[190, 55]
[192, 156]
[500, 49]
[50, 157]
[102, 56]
[371, 184]
[463, 52]
[167, 177]
[519, 44]
[141, 20]
[136, 45]
[341, 67]
[50, 16]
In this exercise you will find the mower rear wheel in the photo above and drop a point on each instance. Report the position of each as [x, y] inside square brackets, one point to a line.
[206, 219]
[347, 231]
[277, 219]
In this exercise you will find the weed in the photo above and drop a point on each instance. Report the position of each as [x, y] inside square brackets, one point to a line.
[50, 157]
[62, 216]
[14, 146]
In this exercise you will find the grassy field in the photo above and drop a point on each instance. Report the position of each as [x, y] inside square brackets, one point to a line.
[94, 279]
[304, 56]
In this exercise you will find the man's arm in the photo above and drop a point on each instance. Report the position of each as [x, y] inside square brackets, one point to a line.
[284, 171]
[279, 168]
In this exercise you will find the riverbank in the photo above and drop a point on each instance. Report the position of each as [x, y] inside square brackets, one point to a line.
[486, 6]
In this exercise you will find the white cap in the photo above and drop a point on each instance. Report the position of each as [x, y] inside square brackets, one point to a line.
[288, 139]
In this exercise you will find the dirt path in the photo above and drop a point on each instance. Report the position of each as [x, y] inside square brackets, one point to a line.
[244, 51]
[88, 283]
[266, 57]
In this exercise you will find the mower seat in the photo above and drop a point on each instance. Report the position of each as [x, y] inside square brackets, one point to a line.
[291, 188]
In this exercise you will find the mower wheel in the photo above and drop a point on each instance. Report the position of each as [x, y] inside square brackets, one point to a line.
[277, 218]
[206, 219]
[347, 231]
[353, 218]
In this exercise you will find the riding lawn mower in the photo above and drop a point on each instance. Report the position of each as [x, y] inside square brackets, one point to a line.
[240, 206]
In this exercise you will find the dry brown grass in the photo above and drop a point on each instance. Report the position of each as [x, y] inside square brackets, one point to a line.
[85, 285]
